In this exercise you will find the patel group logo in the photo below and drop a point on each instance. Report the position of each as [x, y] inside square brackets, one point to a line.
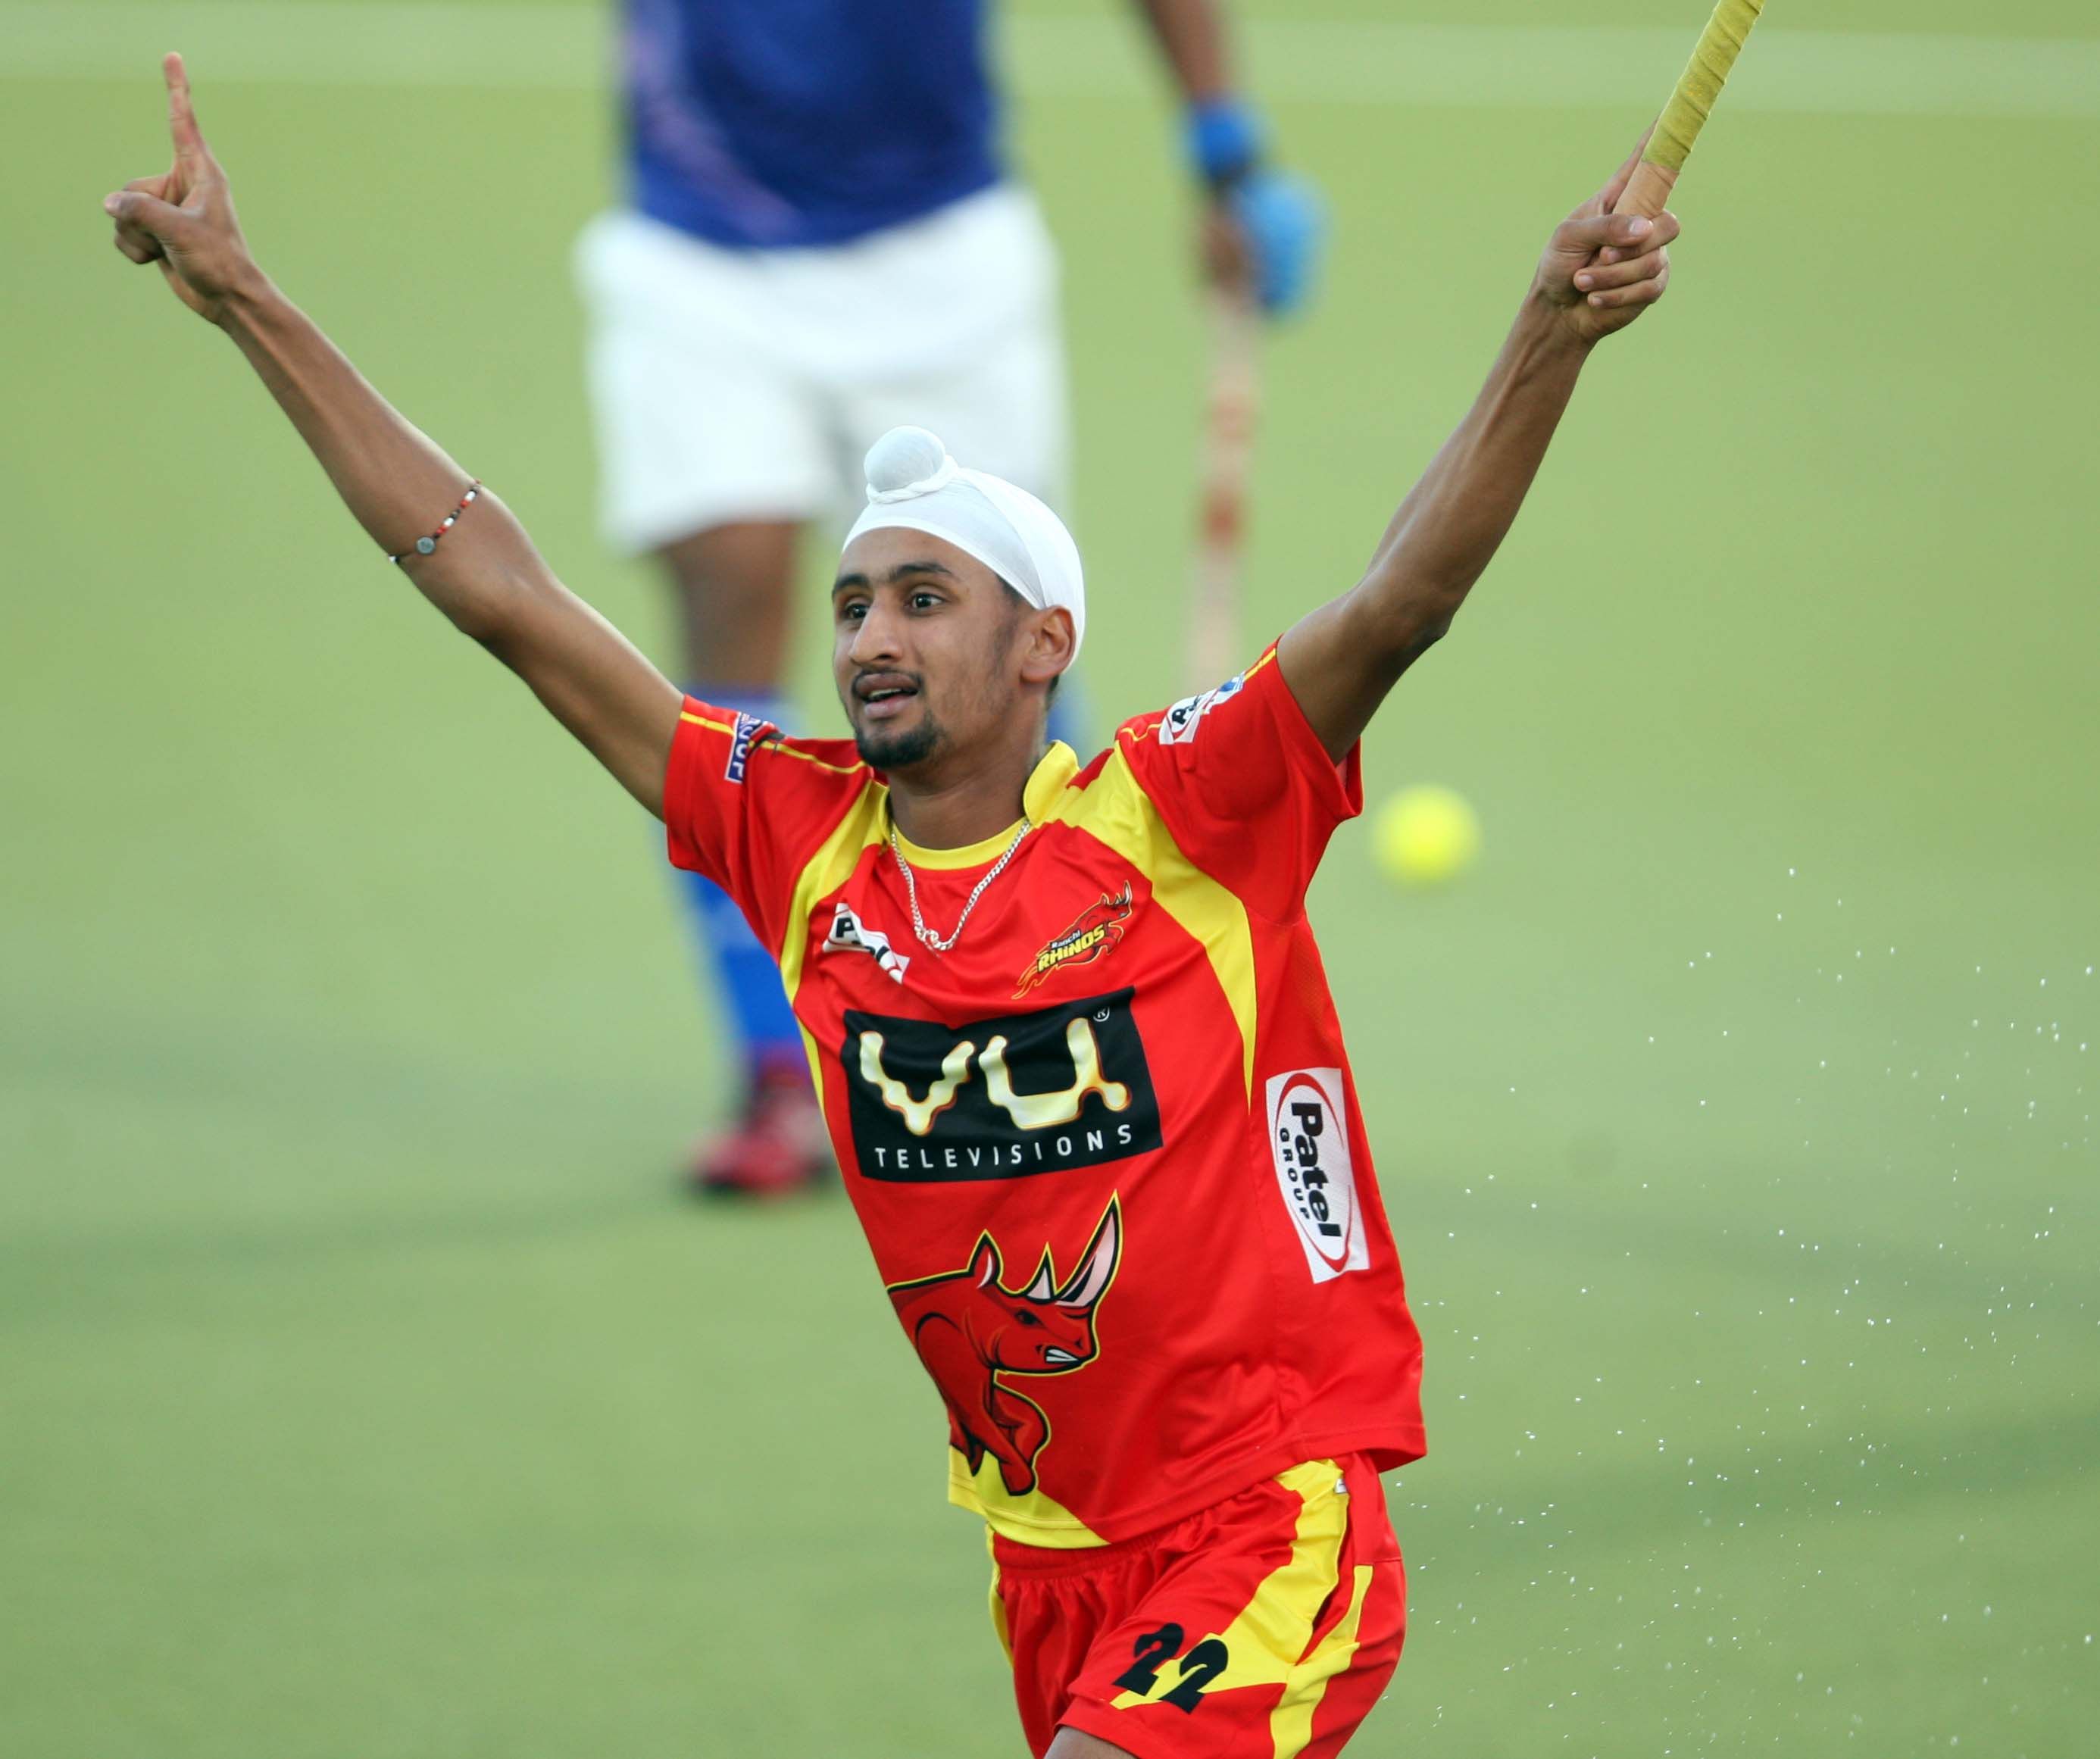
[1308, 1132]
[1004, 1098]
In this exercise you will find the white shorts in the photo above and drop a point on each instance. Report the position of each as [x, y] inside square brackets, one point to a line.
[740, 385]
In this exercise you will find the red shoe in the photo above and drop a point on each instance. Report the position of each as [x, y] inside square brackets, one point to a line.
[777, 1148]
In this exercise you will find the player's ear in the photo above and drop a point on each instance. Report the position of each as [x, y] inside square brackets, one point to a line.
[1051, 641]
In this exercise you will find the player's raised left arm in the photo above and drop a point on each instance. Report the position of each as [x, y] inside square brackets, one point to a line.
[1599, 272]
[484, 573]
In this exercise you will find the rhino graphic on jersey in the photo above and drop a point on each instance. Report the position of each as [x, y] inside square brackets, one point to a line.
[969, 1329]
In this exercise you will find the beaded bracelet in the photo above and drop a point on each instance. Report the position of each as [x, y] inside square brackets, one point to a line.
[424, 545]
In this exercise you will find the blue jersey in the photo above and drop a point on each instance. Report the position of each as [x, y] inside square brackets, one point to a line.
[776, 123]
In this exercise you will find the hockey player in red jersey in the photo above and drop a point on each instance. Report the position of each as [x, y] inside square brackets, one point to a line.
[1070, 1030]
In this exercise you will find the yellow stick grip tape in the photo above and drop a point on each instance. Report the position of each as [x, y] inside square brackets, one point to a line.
[1701, 83]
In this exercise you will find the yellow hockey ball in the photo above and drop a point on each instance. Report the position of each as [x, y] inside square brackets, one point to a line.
[1425, 834]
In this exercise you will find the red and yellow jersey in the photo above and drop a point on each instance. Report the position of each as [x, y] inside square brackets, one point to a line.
[1106, 1148]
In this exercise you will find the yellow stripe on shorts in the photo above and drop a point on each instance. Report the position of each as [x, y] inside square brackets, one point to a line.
[1268, 1640]
[1290, 1723]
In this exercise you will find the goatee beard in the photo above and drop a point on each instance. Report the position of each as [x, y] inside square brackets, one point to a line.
[897, 751]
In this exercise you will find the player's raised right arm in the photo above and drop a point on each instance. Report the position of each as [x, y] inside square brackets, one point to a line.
[485, 574]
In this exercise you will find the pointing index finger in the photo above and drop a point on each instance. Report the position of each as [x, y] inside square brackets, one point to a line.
[1624, 175]
[182, 117]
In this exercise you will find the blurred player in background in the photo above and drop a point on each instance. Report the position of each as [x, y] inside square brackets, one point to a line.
[822, 244]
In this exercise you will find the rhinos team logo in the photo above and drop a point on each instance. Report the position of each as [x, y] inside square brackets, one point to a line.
[969, 1329]
[1093, 935]
[1004, 1098]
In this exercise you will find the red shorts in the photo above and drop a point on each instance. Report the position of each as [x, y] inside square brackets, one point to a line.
[1263, 1627]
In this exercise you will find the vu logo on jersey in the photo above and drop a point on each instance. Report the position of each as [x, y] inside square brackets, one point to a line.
[1001, 1098]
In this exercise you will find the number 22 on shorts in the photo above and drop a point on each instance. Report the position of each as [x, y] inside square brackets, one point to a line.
[1151, 1654]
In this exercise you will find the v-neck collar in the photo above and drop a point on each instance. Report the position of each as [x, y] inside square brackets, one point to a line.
[1053, 773]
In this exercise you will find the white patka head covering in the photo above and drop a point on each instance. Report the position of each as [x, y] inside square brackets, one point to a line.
[913, 482]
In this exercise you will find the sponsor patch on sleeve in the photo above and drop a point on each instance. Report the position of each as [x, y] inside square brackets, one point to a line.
[1178, 724]
[1308, 1133]
[749, 730]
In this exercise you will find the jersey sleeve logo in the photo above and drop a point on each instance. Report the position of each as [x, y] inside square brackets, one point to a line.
[743, 738]
[1178, 725]
[1308, 1131]
[969, 1329]
[1041, 1093]
[850, 935]
[1092, 935]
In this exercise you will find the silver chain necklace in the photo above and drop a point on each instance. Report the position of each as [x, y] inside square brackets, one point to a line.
[927, 937]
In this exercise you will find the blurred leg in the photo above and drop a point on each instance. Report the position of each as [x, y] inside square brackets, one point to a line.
[712, 452]
[732, 583]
